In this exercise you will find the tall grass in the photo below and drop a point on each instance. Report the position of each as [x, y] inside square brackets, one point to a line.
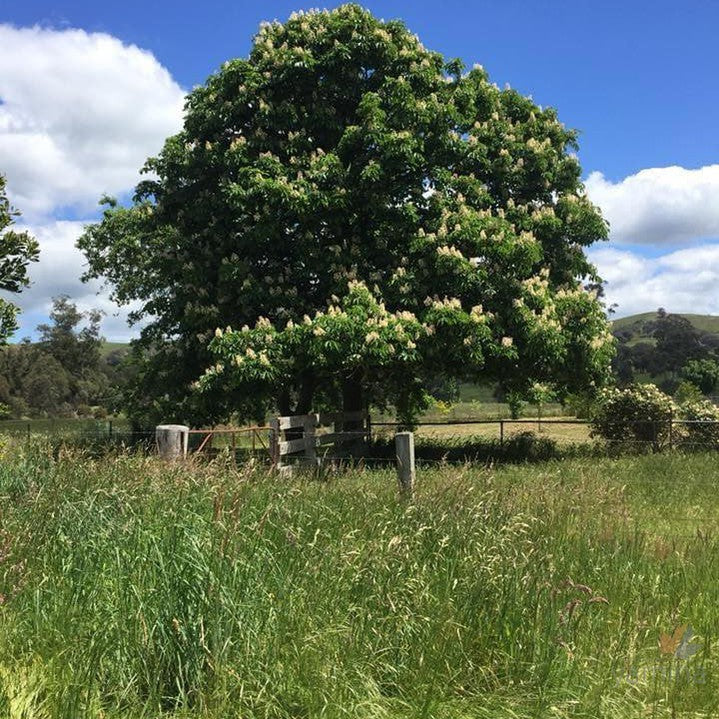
[131, 588]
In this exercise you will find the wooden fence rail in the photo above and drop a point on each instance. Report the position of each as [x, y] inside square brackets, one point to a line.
[298, 437]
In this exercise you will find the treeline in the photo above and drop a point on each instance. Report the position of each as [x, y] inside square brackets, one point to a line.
[668, 350]
[65, 373]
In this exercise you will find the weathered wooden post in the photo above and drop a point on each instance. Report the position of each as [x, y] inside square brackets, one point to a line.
[309, 432]
[274, 442]
[404, 445]
[172, 440]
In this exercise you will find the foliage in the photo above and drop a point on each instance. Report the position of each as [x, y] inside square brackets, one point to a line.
[703, 427]
[62, 375]
[516, 404]
[687, 392]
[704, 373]
[580, 405]
[17, 250]
[677, 341]
[638, 414]
[341, 154]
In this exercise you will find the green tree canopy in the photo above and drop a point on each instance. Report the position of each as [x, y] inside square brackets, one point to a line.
[703, 374]
[61, 373]
[372, 213]
[17, 250]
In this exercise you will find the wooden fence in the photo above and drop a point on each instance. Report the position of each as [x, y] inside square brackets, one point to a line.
[299, 438]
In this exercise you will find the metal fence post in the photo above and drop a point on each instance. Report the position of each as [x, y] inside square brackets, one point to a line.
[404, 444]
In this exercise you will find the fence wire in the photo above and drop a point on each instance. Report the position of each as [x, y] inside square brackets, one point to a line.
[457, 440]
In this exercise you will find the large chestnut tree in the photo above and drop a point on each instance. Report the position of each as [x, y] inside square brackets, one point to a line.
[344, 215]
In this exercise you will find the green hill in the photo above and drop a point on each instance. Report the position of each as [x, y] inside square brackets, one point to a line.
[635, 323]
[108, 347]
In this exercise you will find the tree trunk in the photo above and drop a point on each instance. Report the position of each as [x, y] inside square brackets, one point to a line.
[306, 393]
[353, 401]
[303, 406]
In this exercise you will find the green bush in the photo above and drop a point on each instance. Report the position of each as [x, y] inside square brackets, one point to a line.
[637, 415]
[703, 426]
[687, 392]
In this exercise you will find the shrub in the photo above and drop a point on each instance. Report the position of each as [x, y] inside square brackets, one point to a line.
[528, 447]
[703, 373]
[580, 405]
[84, 410]
[687, 392]
[638, 414]
[703, 429]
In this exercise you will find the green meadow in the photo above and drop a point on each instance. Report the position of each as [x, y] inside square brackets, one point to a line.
[133, 588]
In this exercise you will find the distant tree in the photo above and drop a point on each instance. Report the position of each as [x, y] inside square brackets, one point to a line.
[704, 374]
[677, 342]
[64, 372]
[644, 358]
[76, 348]
[46, 388]
[376, 216]
[623, 364]
[17, 250]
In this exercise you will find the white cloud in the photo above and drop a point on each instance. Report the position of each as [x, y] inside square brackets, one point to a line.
[681, 281]
[58, 272]
[660, 206]
[79, 114]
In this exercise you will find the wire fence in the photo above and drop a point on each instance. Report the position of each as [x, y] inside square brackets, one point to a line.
[437, 441]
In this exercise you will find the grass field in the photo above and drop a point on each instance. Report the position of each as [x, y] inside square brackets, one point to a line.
[130, 588]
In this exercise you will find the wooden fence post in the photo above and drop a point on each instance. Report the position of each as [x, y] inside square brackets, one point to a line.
[309, 433]
[404, 445]
[274, 442]
[172, 440]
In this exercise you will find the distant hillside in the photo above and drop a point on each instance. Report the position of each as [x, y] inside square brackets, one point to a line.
[636, 323]
[656, 348]
[108, 347]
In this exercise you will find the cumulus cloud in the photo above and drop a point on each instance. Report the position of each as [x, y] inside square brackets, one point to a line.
[660, 206]
[79, 114]
[685, 280]
[58, 273]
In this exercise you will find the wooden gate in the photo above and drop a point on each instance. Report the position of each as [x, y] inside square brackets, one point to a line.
[315, 432]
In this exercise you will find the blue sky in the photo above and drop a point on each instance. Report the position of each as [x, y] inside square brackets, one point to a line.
[639, 80]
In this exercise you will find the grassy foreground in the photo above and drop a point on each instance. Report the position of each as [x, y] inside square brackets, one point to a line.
[132, 589]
